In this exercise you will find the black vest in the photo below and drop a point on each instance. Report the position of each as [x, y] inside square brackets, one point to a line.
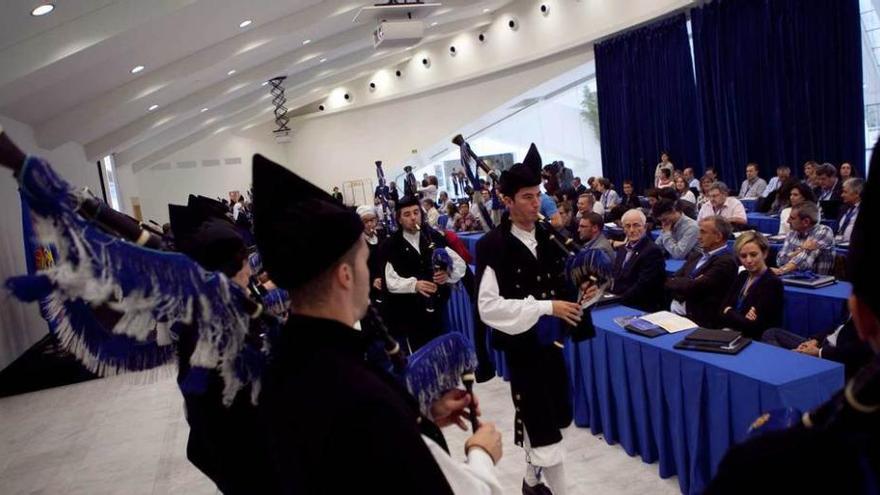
[520, 274]
[408, 262]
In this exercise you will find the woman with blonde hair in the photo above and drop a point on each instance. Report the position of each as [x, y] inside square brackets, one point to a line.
[754, 302]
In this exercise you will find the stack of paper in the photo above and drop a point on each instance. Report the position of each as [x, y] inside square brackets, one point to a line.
[670, 322]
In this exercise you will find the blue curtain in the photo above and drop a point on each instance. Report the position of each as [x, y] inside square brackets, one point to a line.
[780, 83]
[647, 101]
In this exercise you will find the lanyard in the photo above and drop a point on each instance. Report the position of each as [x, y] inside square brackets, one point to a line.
[746, 288]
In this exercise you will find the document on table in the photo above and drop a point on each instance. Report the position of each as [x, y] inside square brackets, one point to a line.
[670, 322]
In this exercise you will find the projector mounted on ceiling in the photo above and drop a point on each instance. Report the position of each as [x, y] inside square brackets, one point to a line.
[398, 23]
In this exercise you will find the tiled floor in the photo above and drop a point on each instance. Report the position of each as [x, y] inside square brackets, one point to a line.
[115, 436]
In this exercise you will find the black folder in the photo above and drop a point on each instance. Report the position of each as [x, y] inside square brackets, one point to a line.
[719, 341]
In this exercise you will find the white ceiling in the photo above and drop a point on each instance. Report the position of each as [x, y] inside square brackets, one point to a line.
[67, 74]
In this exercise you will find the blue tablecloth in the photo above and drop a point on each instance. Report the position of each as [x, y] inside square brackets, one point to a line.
[764, 222]
[470, 241]
[806, 311]
[684, 408]
[749, 204]
[442, 220]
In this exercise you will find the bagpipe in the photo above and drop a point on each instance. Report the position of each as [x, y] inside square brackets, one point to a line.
[468, 157]
[584, 267]
[389, 222]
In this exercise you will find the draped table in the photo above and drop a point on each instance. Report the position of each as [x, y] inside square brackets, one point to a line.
[806, 311]
[684, 409]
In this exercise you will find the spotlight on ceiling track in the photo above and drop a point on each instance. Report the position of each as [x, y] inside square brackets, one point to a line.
[43, 9]
[545, 9]
[482, 37]
[321, 107]
[426, 62]
[372, 86]
[398, 73]
[452, 50]
[513, 24]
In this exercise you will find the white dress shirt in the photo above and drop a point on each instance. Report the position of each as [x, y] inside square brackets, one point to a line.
[474, 476]
[407, 285]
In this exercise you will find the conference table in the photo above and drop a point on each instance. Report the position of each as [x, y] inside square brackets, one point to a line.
[806, 311]
[681, 409]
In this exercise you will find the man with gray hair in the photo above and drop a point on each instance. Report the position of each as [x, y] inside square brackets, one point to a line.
[639, 267]
[852, 198]
[809, 246]
[721, 204]
[700, 286]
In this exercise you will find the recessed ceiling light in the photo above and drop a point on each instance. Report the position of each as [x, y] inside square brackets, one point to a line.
[265, 83]
[485, 11]
[152, 107]
[230, 72]
[323, 60]
[433, 23]
[42, 9]
[137, 68]
[203, 110]
[245, 23]
[306, 42]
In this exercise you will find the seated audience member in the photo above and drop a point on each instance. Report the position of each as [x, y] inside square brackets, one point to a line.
[609, 197]
[586, 203]
[679, 234]
[705, 184]
[720, 204]
[465, 221]
[810, 167]
[809, 246]
[684, 192]
[833, 448]
[754, 302]
[550, 211]
[840, 344]
[699, 287]
[686, 207]
[630, 199]
[653, 195]
[591, 235]
[753, 187]
[828, 187]
[432, 215]
[567, 216]
[711, 173]
[783, 173]
[692, 181]
[578, 187]
[639, 267]
[665, 178]
[443, 200]
[852, 198]
[798, 193]
[846, 172]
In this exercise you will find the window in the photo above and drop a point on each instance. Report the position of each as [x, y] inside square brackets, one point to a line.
[109, 165]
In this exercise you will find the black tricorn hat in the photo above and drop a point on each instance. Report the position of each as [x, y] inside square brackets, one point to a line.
[520, 175]
[301, 230]
[408, 200]
[213, 242]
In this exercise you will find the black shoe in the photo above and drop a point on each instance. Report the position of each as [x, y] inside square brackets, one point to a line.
[539, 489]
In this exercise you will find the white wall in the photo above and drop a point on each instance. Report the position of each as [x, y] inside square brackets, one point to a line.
[21, 325]
[190, 171]
[331, 149]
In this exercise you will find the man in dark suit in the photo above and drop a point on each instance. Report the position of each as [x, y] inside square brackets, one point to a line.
[578, 187]
[829, 187]
[840, 344]
[639, 268]
[698, 288]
